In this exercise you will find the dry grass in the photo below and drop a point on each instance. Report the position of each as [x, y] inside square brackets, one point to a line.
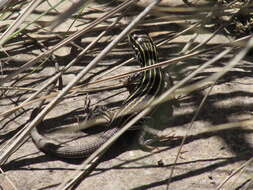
[42, 42]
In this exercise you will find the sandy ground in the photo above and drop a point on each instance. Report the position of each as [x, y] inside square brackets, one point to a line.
[207, 158]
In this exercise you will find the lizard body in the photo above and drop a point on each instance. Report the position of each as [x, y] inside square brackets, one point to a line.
[146, 90]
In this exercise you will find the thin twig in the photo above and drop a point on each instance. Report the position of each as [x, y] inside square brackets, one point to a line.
[54, 78]
[33, 4]
[66, 41]
[93, 158]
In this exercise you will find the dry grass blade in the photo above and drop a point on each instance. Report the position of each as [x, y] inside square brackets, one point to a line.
[55, 77]
[217, 75]
[161, 99]
[248, 163]
[216, 58]
[4, 37]
[74, 8]
[164, 63]
[158, 45]
[209, 80]
[28, 101]
[94, 157]
[3, 175]
[4, 3]
[66, 41]
[42, 114]
[204, 46]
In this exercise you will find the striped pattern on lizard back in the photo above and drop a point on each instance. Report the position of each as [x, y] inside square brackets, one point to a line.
[146, 90]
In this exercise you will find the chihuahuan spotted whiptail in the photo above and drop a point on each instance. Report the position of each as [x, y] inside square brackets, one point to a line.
[146, 89]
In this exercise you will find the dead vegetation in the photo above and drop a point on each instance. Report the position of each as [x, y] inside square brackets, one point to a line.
[54, 53]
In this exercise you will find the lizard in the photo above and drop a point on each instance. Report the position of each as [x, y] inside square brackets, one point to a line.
[149, 85]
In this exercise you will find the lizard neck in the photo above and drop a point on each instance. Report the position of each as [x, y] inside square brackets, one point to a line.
[151, 82]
